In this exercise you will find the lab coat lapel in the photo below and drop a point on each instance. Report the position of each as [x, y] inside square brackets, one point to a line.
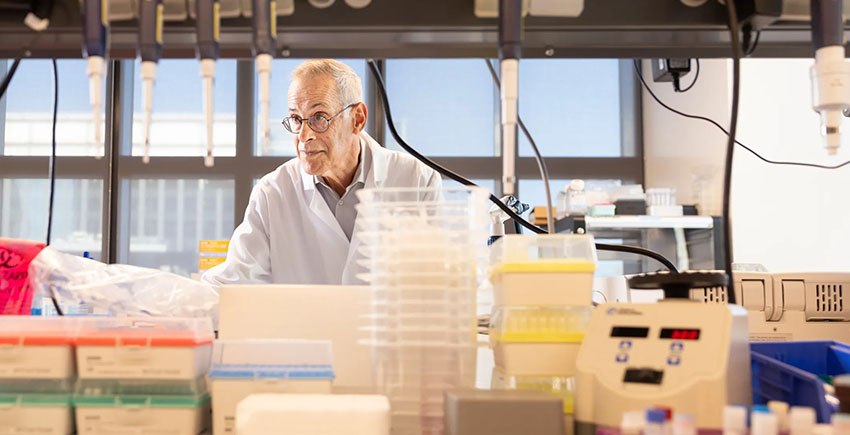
[320, 208]
[374, 178]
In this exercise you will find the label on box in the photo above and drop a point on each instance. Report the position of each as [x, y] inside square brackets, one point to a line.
[136, 362]
[119, 421]
[39, 362]
[769, 336]
[35, 420]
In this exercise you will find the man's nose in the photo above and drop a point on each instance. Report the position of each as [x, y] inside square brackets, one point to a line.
[307, 134]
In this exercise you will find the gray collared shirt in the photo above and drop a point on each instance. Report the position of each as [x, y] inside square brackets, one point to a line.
[343, 208]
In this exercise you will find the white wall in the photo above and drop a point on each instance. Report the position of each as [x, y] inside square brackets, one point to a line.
[684, 153]
[783, 217]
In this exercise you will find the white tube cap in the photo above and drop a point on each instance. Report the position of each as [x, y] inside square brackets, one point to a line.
[802, 420]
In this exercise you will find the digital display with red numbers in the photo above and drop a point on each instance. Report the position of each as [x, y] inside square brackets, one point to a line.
[679, 334]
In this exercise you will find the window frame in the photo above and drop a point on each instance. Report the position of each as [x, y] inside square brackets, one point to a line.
[118, 166]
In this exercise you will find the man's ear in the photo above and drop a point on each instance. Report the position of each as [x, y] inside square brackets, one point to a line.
[360, 115]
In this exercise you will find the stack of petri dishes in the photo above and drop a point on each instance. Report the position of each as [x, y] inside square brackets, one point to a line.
[422, 249]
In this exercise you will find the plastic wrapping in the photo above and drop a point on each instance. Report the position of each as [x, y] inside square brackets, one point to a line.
[120, 289]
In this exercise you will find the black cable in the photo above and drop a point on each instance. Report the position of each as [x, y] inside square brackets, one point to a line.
[433, 165]
[730, 147]
[711, 121]
[52, 162]
[696, 76]
[9, 75]
[53, 173]
[373, 66]
[640, 251]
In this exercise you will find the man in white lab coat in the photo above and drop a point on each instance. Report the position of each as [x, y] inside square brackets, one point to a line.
[299, 224]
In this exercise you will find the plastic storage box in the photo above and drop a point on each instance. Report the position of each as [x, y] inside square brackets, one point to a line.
[561, 386]
[241, 368]
[43, 414]
[543, 270]
[792, 372]
[144, 348]
[273, 414]
[538, 341]
[36, 348]
[168, 408]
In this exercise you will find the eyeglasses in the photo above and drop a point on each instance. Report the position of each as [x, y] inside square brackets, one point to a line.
[318, 123]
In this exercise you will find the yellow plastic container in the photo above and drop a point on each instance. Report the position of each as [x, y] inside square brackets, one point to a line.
[538, 341]
[562, 386]
[543, 270]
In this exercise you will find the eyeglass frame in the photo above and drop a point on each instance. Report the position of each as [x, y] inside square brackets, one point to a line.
[309, 118]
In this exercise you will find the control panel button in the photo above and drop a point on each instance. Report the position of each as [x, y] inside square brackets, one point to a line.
[674, 360]
[622, 357]
[625, 344]
[677, 347]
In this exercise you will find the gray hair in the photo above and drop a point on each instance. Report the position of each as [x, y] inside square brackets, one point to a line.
[348, 85]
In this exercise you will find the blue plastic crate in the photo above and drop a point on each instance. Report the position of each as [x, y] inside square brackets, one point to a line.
[789, 371]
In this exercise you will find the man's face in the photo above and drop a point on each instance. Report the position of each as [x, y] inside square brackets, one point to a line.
[320, 153]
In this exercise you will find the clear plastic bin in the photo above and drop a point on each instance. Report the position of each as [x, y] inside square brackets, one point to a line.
[36, 348]
[540, 324]
[171, 414]
[137, 387]
[241, 368]
[561, 386]
[47, 414]
[37, 386]
[543, 270]
[144, 348]
[540, 341]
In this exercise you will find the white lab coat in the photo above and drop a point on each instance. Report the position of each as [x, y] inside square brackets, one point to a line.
[290, 235]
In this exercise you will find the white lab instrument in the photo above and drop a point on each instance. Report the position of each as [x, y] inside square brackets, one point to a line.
[44, 414]
[780, 410]
[574, 199]
[333, 313]
[734, 420]
[241, 368]
[794, 306]
[143, 348]
[691, 357]
[303, 414]
[831, 72]
[208, 74]
[764, 423]
[95, 69]
[36, 348]
[325, 254]
[148, 78]
[802, 420]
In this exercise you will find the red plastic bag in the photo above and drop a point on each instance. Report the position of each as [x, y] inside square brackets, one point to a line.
[15, 258]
